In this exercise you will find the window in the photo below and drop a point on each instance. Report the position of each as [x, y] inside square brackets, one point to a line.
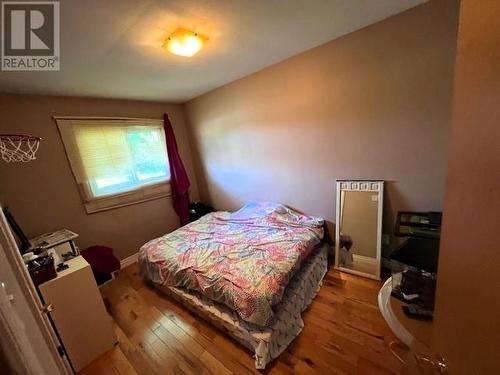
[116, 162]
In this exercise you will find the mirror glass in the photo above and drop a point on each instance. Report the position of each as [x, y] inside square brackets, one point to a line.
[358, 247]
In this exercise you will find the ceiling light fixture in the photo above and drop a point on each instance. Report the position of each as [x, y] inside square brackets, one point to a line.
[184, 42]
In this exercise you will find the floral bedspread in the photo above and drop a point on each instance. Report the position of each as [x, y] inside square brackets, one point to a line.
[243, 259]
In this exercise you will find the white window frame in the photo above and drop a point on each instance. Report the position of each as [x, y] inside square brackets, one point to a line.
[96, 204]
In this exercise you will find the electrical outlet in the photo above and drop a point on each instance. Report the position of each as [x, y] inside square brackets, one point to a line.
[386, 239]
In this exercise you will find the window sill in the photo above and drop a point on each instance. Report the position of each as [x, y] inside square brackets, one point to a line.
[129, 198]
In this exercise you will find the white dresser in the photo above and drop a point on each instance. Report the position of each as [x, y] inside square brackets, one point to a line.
[79, 314]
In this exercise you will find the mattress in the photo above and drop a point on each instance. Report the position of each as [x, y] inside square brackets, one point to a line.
[269, 342]
[243, 259]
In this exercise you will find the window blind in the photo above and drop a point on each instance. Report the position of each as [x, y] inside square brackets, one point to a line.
[116, 161]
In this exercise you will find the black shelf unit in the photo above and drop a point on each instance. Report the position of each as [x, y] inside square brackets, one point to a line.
[418, 224]
[422, 231]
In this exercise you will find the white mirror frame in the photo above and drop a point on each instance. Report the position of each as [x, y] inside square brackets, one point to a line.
[360, 185]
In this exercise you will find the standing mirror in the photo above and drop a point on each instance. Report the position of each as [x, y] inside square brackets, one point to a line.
[358, 231]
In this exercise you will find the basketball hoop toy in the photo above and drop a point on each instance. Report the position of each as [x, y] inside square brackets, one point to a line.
[18, 147]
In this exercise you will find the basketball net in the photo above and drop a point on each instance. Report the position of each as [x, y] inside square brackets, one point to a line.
[18, 148]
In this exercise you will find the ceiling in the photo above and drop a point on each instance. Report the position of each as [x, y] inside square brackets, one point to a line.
[112, 48]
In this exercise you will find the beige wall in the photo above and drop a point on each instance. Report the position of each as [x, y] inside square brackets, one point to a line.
[43, 194]
[467, 316]
[373, 104]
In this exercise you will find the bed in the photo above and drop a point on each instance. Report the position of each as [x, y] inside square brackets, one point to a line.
[251, 272]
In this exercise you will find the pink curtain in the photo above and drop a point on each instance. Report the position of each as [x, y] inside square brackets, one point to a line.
[179, 181]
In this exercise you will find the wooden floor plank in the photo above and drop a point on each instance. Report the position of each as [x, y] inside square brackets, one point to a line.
[344, 333]
[120, 361]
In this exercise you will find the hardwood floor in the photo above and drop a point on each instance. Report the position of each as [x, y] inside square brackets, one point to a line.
[344, 333]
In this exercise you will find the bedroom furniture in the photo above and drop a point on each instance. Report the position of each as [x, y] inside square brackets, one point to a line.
[417, 335]
[55, 239]
[406, 329]
[251, 272]
[78, 313]
[358, 233]
[421, 247]
[418, 224]
[266, 342]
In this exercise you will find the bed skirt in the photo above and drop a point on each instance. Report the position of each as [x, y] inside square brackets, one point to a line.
[266, 342]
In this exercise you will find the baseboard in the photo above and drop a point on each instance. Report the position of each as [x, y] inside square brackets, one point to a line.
[129, 260]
